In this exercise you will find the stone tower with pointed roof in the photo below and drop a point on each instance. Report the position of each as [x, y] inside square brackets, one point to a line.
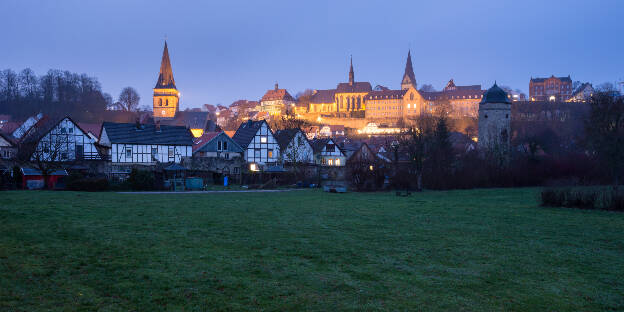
[495, 120]
[409, 80]
[166, 95]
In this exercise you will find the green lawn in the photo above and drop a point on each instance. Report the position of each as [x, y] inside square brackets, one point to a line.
[478, 250]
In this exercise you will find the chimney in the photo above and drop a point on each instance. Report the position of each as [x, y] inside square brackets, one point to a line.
[157, 125]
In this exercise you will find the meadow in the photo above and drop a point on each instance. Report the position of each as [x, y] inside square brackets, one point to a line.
[473, 250]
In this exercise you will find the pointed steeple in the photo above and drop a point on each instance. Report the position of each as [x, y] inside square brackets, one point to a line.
[351, 74]
[408, 77]
[165, 77]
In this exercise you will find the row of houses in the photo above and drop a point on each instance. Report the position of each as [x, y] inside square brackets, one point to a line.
[254, 146]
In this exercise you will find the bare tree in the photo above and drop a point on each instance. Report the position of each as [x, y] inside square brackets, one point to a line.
[605, 130]
[427, 88]
[129, 99]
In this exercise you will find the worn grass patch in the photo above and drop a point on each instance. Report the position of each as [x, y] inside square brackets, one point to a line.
[307, 250]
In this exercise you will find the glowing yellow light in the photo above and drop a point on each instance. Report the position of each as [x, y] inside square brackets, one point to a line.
[197, 132]
[253, 167]
[370, 167]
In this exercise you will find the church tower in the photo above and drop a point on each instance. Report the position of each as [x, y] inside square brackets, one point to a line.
[351, 74]
[495, 119]
[166, 95]
[409, 80]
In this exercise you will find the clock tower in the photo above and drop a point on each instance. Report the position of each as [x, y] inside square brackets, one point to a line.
[166, 95]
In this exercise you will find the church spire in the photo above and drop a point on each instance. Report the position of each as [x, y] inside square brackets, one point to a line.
[165, 77]
[408, 77]
[351, 74]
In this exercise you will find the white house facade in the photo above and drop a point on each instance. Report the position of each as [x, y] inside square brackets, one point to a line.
[146, 144]
[258, 142]
[294, 146]
[327, 153]
[63, 141]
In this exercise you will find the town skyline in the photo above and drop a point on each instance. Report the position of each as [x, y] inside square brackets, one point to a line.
[214, 62]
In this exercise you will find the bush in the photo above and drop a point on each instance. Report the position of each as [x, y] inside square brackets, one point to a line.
[88, 185]
[141, 180]
[583, 198]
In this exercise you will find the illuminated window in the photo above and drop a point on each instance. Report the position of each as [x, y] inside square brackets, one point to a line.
[270, 153]
[263, 139]
[337, 161]
[253, 167]
[330, 162]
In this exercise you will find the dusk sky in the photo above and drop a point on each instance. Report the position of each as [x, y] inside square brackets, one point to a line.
[222, 51]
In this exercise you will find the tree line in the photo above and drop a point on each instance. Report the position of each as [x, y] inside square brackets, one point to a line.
[58, 93]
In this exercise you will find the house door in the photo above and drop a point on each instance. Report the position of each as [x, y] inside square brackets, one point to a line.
[79, 152]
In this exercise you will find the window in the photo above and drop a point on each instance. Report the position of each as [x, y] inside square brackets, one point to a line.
[129, 152]
[63, 130]
[257, 153]
[225, 146]
[330, 148]
[227, 156]
[337, 161]
[159, 102]
[270, 153]
[330, 162]
[171, 150]
[236, 170]
[64, 155]
[219, 146]
[154, 153]
[263, 139]
[70, 129]
[167, 102]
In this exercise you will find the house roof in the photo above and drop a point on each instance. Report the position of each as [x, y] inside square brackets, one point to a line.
[165, 76]
[323, 96]
[356, 87]
[191, 119]
[277, 94]
[246, 132]
[203, 140]
[94, 128]
[284, 137]
[35, 172]
[147, 134]
[10, 126]
[318, 144]
[563, 79]
[386, 94]
[9, 138]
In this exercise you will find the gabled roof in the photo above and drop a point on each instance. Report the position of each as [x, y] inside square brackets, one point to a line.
[94, 128]
[319, 144]
[191, 119]
[147, 134]
[203, 140]
[165, 76]
[246, 132]
[9, 138]
[277, 94]
[284, 137]
[10, 127]
[356, 87]
[323, 96]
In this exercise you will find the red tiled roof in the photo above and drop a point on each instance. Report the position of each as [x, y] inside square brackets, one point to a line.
[202, 140]
[279, 94]
[9, 127]
[91, 127]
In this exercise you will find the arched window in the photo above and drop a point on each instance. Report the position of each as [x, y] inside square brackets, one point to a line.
[167, 102]
[411, 96]
[159, 102]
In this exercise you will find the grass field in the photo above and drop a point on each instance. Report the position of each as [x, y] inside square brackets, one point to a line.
[477, 250]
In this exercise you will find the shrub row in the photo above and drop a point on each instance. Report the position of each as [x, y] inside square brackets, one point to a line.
[88, 185]
[583, 198]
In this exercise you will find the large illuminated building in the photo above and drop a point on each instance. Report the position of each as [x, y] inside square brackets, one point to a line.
[553, 89]
[464, 100]
[350, 96]
[389, 106]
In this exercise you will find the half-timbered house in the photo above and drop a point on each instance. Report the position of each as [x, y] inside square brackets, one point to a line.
[8, 146]
[146, 144]
[258, 142]
[327, 153]
[216, 144]
[294, 146]
[60, 141]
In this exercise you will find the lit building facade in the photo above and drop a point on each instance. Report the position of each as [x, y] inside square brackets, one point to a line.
[553, 89]
[275, 101]
[463, 100]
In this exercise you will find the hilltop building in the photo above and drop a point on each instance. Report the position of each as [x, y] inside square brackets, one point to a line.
[350, 96]
[275, 101]
[553, 89]
[464, 100]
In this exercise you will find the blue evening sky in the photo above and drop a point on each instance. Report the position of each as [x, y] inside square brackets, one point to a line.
[222, 51]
